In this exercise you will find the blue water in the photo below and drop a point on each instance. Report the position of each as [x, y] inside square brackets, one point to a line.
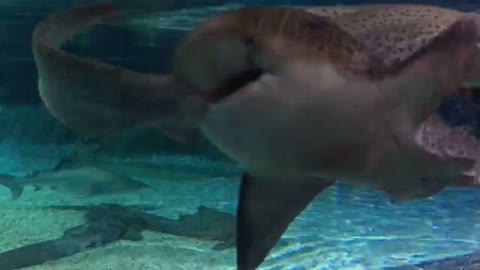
[344, 228]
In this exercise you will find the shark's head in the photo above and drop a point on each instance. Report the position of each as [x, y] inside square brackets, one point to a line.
[219, 58]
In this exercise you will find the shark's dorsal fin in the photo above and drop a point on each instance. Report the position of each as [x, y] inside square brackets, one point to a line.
[9, 181]
[266, 208]
[133, 234]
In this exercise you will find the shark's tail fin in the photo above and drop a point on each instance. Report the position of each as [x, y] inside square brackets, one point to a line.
[98, 99]
[9, 182]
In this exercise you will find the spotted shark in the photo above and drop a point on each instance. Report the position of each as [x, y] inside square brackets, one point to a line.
[84, 181]
[298, 96]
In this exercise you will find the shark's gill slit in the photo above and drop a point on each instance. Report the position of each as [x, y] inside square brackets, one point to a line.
[235, 83]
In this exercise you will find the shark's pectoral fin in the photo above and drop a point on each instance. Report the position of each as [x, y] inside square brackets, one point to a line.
[9, 182]
[133, 234]
[16, 191]
[224, 245]
[266, 208]
[424, 188]
[183, 136]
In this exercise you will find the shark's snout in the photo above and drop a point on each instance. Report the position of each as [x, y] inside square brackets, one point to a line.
[217, 64]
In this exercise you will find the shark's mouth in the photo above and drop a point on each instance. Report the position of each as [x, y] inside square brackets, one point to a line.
[234, 84]
[453, 133]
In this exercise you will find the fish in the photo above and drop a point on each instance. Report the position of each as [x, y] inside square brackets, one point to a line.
[299, 97]
[84, 181]
[205, 224]
[93, 234]
[108, 223]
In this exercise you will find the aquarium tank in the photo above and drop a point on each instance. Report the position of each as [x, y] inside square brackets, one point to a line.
[250, 134]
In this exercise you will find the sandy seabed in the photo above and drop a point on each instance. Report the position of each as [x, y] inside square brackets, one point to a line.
[27, 221]
[344, 227]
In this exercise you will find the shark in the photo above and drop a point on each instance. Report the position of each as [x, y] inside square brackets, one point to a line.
[108, 223]
[84, 181]
[93, 234]
[299, 97]
[205, 224]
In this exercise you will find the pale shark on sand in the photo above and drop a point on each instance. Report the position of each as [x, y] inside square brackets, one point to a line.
[297, 96]
[85, 181]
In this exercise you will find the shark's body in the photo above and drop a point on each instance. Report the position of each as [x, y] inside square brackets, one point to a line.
[300, 97]
[80, 181]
